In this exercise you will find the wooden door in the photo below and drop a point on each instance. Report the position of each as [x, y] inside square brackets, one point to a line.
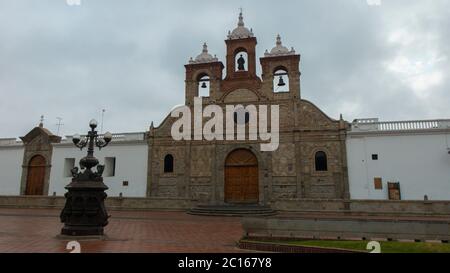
[36, 176]
[394, 191]
[241, 177]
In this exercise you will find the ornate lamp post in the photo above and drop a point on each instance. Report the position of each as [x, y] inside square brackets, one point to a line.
[84, 213]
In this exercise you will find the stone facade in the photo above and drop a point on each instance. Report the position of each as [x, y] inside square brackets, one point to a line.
[289, 172]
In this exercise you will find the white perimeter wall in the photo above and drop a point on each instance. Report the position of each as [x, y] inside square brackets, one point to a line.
[11, 159]
[131, 166]
[420, 163]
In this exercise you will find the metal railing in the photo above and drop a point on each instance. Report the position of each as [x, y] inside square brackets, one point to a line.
[128, 136]
[117, 137]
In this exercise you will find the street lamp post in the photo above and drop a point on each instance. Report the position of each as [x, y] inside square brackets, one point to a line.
[84, 213]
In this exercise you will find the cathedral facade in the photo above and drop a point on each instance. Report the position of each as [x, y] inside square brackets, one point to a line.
[310, 161]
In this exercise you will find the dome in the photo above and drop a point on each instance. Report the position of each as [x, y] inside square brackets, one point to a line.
[241, 31]
[204, 57]
[279, 49]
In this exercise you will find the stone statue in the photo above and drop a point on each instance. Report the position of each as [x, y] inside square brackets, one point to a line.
[241, 62]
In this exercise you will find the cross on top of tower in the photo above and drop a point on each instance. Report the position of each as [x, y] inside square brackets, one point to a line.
[241, 19]
[41, 121]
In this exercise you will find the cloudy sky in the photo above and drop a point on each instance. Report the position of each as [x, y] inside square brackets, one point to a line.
[389, 61]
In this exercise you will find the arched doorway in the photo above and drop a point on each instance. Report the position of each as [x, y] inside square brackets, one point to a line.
[36, 176]
[241, 178]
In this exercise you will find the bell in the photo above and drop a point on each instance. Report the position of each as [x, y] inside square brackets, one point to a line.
[204, 85]
[281, 82]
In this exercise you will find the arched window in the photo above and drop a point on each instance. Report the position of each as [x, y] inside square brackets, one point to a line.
[321, 162]
[241, 61]
[203, 86]
[280, 80]
[168, 163]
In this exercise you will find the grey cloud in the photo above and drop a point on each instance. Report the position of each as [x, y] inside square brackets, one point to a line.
[128, 57]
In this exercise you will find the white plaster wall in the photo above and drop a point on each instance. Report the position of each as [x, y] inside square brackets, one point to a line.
[131, 166]
[11, 159]
[420, 163]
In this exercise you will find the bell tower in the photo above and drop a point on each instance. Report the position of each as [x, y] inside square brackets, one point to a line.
[281, 71]
[203, 72]
[241, 55]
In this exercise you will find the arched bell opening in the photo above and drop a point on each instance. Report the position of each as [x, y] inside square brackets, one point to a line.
[280, 80]
[204, 85]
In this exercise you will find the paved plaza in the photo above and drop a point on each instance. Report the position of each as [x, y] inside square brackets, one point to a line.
[36, 230]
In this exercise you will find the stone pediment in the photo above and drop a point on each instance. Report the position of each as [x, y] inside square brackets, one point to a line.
[240, 95]
[42, 133]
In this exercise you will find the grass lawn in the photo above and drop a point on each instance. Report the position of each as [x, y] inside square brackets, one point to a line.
[386, 247]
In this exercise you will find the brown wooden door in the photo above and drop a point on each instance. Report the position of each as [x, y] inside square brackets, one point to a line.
[36, 176]
[241, 177]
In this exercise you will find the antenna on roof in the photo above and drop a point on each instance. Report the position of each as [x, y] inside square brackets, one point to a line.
[101, 126]
[59, 124]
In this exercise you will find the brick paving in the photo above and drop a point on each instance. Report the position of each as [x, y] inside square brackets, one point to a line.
[36, 230]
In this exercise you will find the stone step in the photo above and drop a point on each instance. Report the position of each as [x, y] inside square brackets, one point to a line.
[228, 210]
[232, 212]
